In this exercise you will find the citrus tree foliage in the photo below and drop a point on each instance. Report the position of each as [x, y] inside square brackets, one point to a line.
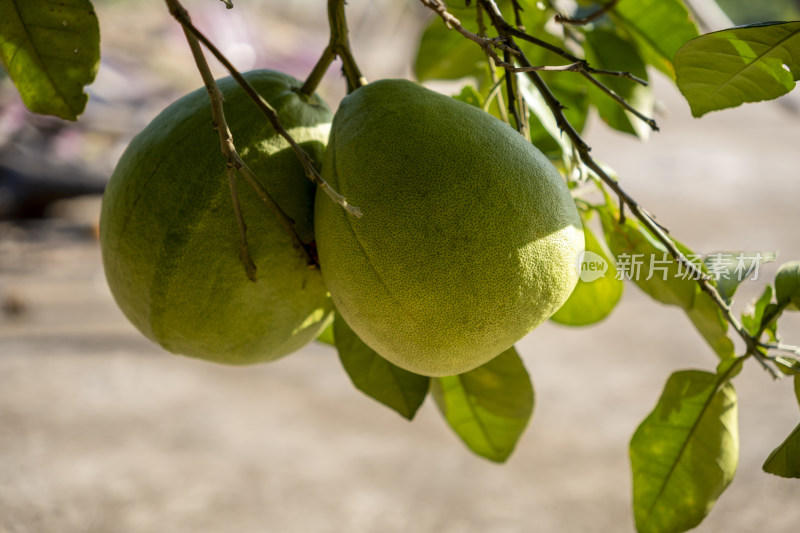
[543, 71]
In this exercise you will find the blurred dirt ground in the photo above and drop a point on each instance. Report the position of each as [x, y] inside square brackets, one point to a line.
[101, 431]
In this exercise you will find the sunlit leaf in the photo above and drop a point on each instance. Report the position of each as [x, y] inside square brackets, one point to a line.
[488, 407]
[659, 27]
[326, 337]
[685, 453]
[730, 269]
[470, 95]
[51, 50]
[788, 364]
[784, 460]
[745, 64]
[597, 292]
[645, 261]
[605, 49]
[707, 317]
[376, 377]
[752, 320]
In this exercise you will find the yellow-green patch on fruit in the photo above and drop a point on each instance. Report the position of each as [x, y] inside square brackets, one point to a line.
[169, 236]
[787, 285]
[469, 238]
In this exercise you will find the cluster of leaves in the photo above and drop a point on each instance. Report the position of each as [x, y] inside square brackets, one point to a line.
[684, 454]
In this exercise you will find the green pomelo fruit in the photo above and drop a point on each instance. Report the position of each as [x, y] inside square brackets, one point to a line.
[170, 241]
[787, 285]
[469, 238]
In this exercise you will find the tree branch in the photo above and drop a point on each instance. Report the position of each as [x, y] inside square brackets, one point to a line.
[588, 18]
[338, 46]
[181, 15]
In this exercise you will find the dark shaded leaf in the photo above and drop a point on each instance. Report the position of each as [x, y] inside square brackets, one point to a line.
[51, 50]
[605, 49]
[685, 453]
[376, 377]
[488, 407]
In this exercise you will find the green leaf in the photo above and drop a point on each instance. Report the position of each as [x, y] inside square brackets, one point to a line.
[752, 321]
[470, 95]
[797, 387]
[746, 64]
[787, 285]
[641, 256]
[51, 50]
[788, 364]
[659, 27]
[685, 453]
[488, 407]
[445, 54]
[730, 269]
[784, 460]
[376, 377]
[597, 292]
[605, 49]
[645, 261]
[326, 337]
[710, 322]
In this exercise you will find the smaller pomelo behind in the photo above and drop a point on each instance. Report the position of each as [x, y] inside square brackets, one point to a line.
[169, 236]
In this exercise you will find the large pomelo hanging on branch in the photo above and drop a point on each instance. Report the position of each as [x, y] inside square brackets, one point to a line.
[169, 236]
[469, 239]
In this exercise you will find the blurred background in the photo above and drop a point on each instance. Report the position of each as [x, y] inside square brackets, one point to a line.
[102, 431]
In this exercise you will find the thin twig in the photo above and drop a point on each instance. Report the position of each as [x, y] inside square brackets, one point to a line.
[518, 14]
[181, 15]
[495, 90]
[602, 10]
[244, 251]
[621, 101]
[233, 161]
[513, 106]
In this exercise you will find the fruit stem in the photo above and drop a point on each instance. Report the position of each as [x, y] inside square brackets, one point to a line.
[312, 82]
[338, 46]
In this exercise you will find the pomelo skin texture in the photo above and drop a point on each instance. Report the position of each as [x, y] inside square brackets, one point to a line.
[169, 236]
[469, 238]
